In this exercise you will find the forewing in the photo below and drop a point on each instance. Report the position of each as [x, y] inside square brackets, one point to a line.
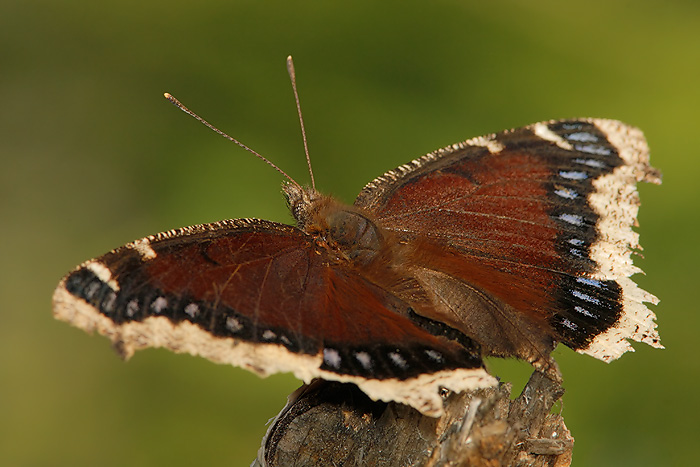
[269, 298]
[540, 219]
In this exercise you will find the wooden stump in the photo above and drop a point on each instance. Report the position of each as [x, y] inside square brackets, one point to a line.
[328, 423]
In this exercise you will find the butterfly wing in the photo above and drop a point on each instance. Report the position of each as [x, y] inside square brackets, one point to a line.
[269, 298]
[527, 234]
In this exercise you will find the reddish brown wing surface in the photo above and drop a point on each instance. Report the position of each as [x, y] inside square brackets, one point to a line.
[269, 298]
[527, 235]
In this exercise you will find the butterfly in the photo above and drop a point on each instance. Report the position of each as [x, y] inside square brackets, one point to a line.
[503, 245]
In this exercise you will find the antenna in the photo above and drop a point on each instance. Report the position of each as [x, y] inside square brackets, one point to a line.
[180, 106]
[293, 78]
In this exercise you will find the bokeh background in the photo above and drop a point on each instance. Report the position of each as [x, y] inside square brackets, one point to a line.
[93, 156]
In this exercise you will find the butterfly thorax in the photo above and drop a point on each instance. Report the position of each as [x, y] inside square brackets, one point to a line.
[348, 230]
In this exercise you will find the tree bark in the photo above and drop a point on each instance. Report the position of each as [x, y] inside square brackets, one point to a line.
[329, 423]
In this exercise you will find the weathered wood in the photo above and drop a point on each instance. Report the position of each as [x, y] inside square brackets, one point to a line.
[328, 423]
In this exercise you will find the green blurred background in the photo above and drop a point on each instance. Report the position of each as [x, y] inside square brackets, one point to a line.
[93, 157]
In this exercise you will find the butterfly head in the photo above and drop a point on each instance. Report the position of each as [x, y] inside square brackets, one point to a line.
[300, 201]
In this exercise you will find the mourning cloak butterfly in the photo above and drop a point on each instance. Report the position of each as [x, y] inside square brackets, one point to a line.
[502, 245]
